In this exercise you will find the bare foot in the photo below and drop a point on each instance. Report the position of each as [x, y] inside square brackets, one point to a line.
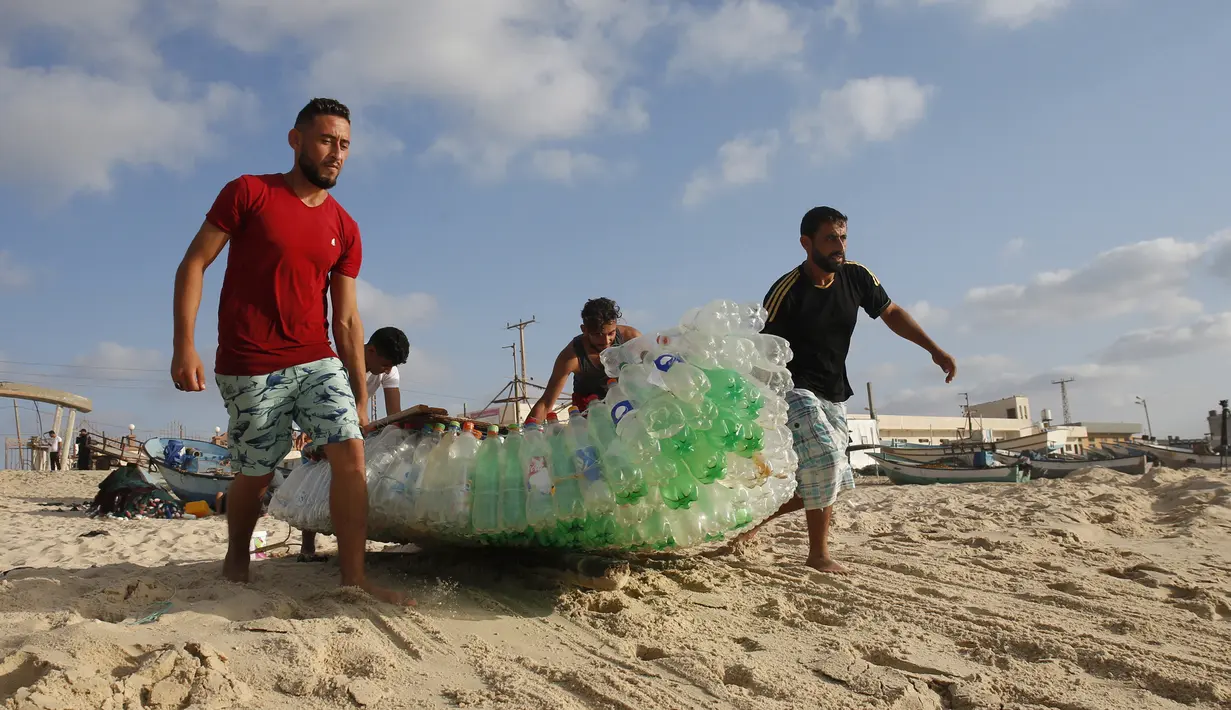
[386, 595]
[826, 564]
[305, 557]
[236, 570]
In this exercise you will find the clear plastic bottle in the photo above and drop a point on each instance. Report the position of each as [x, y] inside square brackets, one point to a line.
[536, 472]
[565, 479]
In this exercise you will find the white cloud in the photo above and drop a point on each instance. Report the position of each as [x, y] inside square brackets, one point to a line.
[871, 110]
[846, 12]
[69, 131]
[743, 160]
[12, 274]
[101, 32]
[1212, 332]
[370, 143]
[1219, 255]
[1147, 277]
[1014, 246]
[378, 308]
[1012, 14]
[741, 36]
[111, 360]
[507, 75]
[104, 103]
[565, 165]
[927, 314]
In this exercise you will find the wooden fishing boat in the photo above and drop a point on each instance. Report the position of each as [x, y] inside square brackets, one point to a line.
[903, 471]
[1173, 457]
[1059, 468]
[195, 477]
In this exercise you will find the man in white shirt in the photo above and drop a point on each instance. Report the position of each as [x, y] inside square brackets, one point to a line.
[386, 349]
[54, 443]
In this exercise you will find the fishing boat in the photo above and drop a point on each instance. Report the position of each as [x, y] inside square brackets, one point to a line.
[191, 475]
[903, 471]
[1061, 467]
[1173, 457]
[203, 475]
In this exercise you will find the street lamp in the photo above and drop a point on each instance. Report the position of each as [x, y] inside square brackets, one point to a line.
[1149, 427]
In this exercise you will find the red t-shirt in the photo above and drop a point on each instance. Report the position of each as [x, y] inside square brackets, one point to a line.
[271, 314]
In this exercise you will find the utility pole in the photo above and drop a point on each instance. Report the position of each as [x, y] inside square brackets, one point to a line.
[1149, 427]
[513, 348]
[1064, 398]
[521, 333]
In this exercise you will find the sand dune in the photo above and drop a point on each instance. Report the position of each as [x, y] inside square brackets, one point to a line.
[1099, 591]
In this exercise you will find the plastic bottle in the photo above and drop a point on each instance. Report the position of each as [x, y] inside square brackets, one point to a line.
[485, 499]
[434, 478]
[513, 484]
[596, 493]
[536, 473]
[460, 480]
[566, 489]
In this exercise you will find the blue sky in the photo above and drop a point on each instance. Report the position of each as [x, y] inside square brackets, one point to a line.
[1042, 182]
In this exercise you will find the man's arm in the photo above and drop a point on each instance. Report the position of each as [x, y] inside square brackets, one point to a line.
[187, 371]
[393, 400]
[901, 323]
[566, 364]
[348, 336]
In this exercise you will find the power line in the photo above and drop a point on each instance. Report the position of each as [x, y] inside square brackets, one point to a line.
[83, 367]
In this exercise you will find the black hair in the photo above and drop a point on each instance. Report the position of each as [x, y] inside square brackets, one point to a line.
[321, 107]
[598, 312]
[817, 216]
[390, 343]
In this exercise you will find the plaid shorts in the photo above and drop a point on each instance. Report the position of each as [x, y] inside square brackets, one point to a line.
[818, 428]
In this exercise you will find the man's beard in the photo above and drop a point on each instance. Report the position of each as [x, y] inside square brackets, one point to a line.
[827, 263]
[313, 173]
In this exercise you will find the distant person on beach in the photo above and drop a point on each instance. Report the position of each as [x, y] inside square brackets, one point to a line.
[387, 348]
[83, 451]
[292, 245]
[54, 444]
[600, 329]
[815, 307]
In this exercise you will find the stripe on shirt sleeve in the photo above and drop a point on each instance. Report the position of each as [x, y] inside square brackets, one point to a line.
[778, 293]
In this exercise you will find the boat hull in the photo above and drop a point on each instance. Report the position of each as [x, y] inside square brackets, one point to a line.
[211, 477]
[907, 472]
[1175, 458]
[1133, 465]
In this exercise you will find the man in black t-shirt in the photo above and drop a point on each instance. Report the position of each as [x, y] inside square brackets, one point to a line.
[815, 307]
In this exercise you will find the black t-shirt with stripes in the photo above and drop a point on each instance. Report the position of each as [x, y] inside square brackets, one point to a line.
[818, 322]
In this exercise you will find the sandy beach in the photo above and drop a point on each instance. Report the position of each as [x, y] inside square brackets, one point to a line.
[1100, 591]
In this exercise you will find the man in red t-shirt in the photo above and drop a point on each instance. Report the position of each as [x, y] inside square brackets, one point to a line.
[292, 246]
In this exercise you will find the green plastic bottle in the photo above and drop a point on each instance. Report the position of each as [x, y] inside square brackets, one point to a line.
[512, 485]
[485, 500]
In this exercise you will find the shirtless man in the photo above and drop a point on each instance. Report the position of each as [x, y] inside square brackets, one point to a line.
[292, 245]
[599, 331]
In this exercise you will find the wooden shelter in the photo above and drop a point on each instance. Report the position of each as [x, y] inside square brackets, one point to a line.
[37, 455]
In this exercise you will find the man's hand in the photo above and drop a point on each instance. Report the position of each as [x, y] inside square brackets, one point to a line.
[187, 371]
[945, 362]
[363, 419]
